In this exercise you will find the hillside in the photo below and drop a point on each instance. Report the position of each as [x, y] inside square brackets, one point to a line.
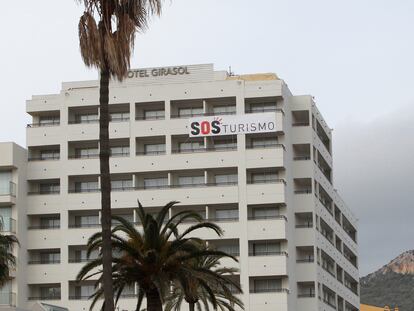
[392, 285]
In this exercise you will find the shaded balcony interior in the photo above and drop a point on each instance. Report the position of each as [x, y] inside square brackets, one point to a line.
[349, 307]
[340, 302]
[263, 141]
[150, 110]
[119, 112]
[328, 263]
[119, 147]
[266, 211]
[187, 108]
[302, 185]
[125, 213]
[44, 291]
[304, 220]
[339, 273]
[122, 182]
[351, 283]
[45, 118]
[201, 210]
[8, 224]
[45, 221]
[44, 256]
[152, 180]
[323, 136]
[267, 247]
[268, 284]
[327, 232]
[84, 219]
[352, 258]
[328, 296]
[223, 212]
[262, 104]
[338, 215]
[323, 165]
[83, 149]
[349, 228]
[7, 186]
[81, 290]
[300, 118]
[305, 254]
[84, 183]
[44, 186]
[79, 254]
[152, 145]
[301, 152]
[325, 199]
[222, 177]
[83, 114]
[267, 175]
[306, 289]
[186, 144]
[220, 106]
[228, 246]
[338, 244]
[44, 153]
[221, 143]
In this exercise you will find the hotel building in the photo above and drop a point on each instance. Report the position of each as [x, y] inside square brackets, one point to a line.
[271, 190]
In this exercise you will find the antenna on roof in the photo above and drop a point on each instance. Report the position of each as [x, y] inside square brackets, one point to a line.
[231, 73]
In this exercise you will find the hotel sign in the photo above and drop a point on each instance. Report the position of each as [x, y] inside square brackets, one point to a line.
[158, 72]
[233, 124]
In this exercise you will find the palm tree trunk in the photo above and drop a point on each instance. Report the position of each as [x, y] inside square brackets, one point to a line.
[191, 306]
[153, 300]
[105, 190]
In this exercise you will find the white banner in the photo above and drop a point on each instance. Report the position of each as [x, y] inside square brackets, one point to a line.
[232, 124]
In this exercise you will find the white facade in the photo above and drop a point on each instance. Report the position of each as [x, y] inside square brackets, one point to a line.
[272, 193]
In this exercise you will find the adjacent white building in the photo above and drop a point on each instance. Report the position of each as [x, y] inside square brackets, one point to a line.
[271, 190]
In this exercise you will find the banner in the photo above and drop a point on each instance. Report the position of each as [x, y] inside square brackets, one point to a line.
[232, 124]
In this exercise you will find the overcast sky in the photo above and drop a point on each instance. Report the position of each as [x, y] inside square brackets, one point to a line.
[355, 57]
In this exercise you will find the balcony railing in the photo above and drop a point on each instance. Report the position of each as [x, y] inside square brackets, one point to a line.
[186, 115]
[79, 297]
[307, 225]
[119, 119]
[332, 304]
[84, 156]
[221, 219]
[264, 217]
[92, 225]
[43, 158]
[149, 118]
[268, 253]
[43, 262]
[8, 299]
[270, 146]
[266, 109]
[43, 227]
[268, 290]
[9, 190]
[207, 149]
[300, 124]
[303, 191]
[7, 224]
[45, 297]
[301, 158]
[150, 153]
[43, 192]
[80, 260]
[84, 190]
[269, 181]
[83, 121]
[305, 260]
[306, 295]
[53, 123]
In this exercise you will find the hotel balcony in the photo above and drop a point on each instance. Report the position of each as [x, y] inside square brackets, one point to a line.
[50, 291]
[267, 263]
[268, 293]
[8, 194]
[7, 299]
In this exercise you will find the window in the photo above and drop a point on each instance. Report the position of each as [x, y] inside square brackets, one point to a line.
[159, 182]
[227, 214]
[190, 180]
[265, 248]
[49, 154]
[154, 148]
[81, 255]
[49, 222]
[86, 221]
[119, 116]
[5, 179]
[191, 111]
[86, 152]
[84, 291]
[86, 186]
[191, 146]
[121, 184]
[265, 177]
[6, 223]
[267, 285]
[229, 109]
[49, 120]
[262, 107]
[119, 150]
[231, 249]
[264, 212]
[154, 114]
[86, 118]
[225, 179]
[263, 142]
[50, 257]
[49, 292]
[225, 144]
[49, 188]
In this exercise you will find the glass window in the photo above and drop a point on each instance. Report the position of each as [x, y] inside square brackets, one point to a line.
[225, 144]
[155, 182]
[191, 180]
[86, 186]
[265, 212]
[230, 214]
[228, 109]
[191, 146]
[49, 222]
[258, 178]
[266, 248]
[231, 249]
[49, 291]
[263, 142]
[86, 118]
[82, 255]
[49, 154]
[49, 120]
[154, 114]
[191, 111]
[224, 179]
[84, 291]
[120, 150]
[154, 148]
[52, 257]
[87, 220]
[121, 184]
[262, 107]
[5, 179]
[49, 188]
[86, 152]
[119, 116]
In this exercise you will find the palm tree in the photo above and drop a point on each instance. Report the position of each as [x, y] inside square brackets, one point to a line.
[7, 259]
[206, 285]
[151, 258]
[106, 34]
